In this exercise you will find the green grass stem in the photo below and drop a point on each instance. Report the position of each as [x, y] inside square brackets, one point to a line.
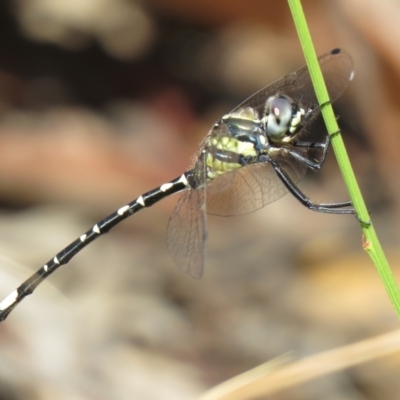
[370, 240]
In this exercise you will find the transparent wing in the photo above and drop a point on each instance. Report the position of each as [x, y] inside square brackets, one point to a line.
[187, 226]
[337, 69]
[251, 187]
[255, 185]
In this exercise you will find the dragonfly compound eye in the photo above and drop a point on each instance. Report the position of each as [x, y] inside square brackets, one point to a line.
[278, 119]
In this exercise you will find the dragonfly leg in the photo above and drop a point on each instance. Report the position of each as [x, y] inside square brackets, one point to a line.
[329, 208]
[311, 145]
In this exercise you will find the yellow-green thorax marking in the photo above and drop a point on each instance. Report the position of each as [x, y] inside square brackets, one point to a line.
[235, 138]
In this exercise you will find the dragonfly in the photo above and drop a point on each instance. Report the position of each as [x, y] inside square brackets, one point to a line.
[251, 157]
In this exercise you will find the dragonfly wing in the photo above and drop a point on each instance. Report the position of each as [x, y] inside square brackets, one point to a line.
[251, 187]
[337, 69]
[187, 226]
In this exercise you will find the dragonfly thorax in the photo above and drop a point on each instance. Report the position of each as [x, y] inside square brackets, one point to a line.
[283, 119]
[236, 140]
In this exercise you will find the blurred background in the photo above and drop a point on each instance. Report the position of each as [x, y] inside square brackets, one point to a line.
[102, 100]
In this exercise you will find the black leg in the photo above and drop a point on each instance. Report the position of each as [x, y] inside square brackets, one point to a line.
[310, 145]
[329, 208]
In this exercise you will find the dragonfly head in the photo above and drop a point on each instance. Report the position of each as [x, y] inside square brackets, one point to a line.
[283, 119]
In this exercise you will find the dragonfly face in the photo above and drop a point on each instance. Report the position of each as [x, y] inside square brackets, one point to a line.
[283, 119]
